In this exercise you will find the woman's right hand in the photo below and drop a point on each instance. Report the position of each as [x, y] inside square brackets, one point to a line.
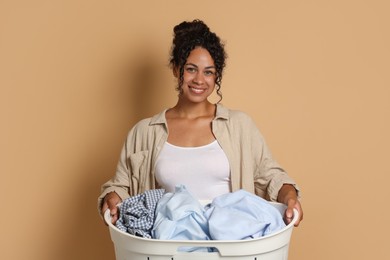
[110, 201]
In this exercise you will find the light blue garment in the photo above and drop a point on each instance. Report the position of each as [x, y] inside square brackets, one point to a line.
[179, 216]
[233, 216]
[242, 215]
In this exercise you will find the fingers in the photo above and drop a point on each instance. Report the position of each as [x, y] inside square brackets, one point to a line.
[288, 195]
[114, 213]
[104, 207]
[289, 213]
[110, 202]
[297, 206]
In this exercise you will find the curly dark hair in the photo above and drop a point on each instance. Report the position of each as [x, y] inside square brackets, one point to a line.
[188, 36]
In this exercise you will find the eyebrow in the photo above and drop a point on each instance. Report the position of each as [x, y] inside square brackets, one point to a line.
[192, 64]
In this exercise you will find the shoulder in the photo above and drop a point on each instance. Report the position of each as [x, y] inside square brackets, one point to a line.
[233, 116]
[238, 123]
[148, 124]
[143, 123]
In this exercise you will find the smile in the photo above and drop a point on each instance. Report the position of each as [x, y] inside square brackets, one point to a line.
[197, 90]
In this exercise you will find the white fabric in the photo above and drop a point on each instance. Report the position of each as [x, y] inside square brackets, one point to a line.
[204, 170]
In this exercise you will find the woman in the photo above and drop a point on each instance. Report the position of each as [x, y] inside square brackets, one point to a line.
[210, 149]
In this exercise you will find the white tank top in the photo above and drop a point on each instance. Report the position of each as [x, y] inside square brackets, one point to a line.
[204, 170]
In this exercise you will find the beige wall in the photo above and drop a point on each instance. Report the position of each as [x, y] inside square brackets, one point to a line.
[76, 75]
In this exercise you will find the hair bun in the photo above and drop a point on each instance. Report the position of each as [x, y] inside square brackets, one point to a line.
[194, 28]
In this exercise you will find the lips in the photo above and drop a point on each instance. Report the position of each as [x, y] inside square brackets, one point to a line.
[197, 90]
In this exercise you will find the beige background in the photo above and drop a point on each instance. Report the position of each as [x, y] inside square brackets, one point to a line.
[76, 75]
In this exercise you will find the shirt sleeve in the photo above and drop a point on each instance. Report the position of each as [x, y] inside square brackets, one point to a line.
[269, 176]
[119, 183]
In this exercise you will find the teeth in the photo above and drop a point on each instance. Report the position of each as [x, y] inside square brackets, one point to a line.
[197, 90]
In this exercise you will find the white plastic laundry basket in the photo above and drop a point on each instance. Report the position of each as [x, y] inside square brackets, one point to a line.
[271, 247]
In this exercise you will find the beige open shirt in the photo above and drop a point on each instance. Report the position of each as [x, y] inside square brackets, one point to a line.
[251, 165]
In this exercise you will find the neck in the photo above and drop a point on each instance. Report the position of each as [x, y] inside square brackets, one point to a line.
[194, 110]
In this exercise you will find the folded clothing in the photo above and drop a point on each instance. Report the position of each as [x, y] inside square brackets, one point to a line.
[136, 214]
[242, 215]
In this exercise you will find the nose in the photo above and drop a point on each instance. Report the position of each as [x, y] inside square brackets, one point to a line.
[198, 78]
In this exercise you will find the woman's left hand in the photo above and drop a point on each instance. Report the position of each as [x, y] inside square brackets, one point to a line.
[288, 196]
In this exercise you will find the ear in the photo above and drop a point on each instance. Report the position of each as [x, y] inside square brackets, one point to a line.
[176, 72]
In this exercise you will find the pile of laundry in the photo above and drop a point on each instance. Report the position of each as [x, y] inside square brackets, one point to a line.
[180, 216]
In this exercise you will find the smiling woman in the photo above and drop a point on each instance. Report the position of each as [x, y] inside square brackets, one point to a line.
[207, 147]
[198, 76]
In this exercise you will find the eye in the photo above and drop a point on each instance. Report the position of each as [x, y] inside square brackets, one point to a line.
[209, 72]
[190, 69]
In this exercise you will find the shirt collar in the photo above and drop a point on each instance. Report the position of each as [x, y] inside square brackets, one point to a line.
[221, 113]
[159, 118]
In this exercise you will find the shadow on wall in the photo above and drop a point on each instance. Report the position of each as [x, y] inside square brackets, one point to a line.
[150, 82]
[140, 96]
[150, 91]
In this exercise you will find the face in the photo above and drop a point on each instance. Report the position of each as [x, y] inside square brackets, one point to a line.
[199, 76]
